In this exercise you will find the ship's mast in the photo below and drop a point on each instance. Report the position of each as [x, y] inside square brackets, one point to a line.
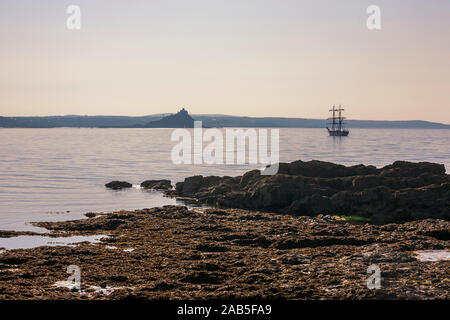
[333, 123]
[341, 118]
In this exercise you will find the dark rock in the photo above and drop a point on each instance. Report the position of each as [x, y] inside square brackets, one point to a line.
[117, 185]
[399, 192]
[369, 181]
[250, 176]
[156, 184]
[192, 185]
[310, 205]
[324, 169]
[410, 169]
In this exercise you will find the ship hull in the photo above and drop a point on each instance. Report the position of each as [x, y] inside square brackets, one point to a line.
[338, 133]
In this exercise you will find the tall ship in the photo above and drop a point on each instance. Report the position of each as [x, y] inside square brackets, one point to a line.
[337, 123]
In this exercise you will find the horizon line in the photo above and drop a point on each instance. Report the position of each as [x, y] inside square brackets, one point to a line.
[213, 114]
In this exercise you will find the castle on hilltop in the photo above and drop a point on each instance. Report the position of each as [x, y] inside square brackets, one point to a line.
[181, 119]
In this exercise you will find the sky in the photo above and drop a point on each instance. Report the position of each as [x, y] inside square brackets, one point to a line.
[286, 58]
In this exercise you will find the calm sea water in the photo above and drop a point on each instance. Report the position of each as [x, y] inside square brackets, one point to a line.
[59, 174]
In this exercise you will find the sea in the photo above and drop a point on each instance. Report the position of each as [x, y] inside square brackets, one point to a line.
[59, 174]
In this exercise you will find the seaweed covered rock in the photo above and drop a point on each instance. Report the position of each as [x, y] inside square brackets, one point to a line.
[323, 169]
[194, 184]
[117, 185]
[156, 184]
[402, 191]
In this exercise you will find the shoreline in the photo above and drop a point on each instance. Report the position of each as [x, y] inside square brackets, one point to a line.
[175, 253]
[400, 192]
[300, 234]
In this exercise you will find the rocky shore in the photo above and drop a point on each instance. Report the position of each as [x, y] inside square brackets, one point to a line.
[176, 253]
[300, 234]
[400, 192]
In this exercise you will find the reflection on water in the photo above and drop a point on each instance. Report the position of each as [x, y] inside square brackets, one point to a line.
[27, 242]
[59, 174]
[433, 255]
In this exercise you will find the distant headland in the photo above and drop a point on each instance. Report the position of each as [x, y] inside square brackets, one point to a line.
[183, 119]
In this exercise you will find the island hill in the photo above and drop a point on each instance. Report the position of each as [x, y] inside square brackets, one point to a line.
[183, 119]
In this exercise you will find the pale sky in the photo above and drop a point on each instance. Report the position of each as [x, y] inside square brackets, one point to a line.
[288, 58]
